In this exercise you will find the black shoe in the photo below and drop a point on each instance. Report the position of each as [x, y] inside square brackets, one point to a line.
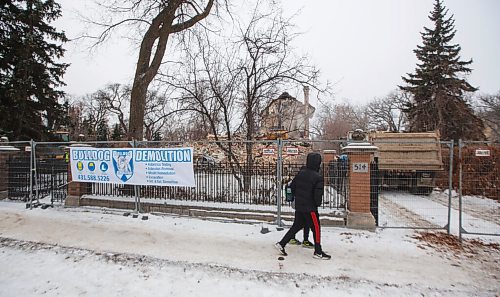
[280, 249]
[321, 256]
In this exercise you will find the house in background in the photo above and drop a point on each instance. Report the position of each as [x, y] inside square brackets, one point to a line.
[287, 117]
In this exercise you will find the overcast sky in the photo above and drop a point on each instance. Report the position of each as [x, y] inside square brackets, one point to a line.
[362, 46]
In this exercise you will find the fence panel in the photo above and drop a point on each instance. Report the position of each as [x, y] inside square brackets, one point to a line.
[479, 188]
[15, 170]
[51, 182]
[414, 184]
[110, 191]
[224, 174]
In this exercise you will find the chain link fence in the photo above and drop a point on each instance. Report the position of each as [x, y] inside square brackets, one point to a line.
[414, 182]
[479, 193]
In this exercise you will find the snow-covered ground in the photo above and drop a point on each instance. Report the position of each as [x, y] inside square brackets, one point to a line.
[99, 252]
[479, 216]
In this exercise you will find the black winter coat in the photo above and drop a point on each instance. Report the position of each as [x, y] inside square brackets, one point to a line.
[307, 186]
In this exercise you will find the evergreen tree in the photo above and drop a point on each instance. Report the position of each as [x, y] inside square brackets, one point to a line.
[117, 133]
[102, 131]
[438, 84]
[29, 72]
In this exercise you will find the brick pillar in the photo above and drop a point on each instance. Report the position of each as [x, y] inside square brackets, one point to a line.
[360, 157]
[75, 189]
[329, 155]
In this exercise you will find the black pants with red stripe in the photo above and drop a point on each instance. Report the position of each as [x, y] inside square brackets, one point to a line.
[305, 219]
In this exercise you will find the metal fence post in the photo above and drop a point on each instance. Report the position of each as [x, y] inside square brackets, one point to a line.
[279, 186]
[450, 184]
[37, 186]
[460, 159]
[136, 190]
[31, 173]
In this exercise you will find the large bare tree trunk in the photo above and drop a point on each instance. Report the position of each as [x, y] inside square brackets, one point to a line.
[147, 68]
[148, 62]
[137, 106]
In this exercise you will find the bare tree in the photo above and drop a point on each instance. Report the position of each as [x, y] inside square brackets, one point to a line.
[117, 100]
[95, 111]
[76, 116]
[229, 83]
[209, 87]
[335, 120]
[268, 63]
[387, 113]
[105, 105]
[489, 110]
[185, 127]
[156, 113]
[157, 21]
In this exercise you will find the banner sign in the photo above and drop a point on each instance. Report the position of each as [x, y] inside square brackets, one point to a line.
[268, 151]
[291, 150]
[133, 166]
[483, 153]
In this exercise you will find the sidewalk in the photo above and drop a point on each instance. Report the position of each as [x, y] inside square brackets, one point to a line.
[383, 262]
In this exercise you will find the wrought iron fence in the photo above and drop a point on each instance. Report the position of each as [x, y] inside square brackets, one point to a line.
[219, 182]
[374, 189]
[48, 175]
[15, 170]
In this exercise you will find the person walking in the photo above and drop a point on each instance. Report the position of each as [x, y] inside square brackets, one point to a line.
[307, 188]
[290, 198]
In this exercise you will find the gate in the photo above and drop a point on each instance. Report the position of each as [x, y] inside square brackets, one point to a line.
[479, 191]
[407, 194]
[336, 182]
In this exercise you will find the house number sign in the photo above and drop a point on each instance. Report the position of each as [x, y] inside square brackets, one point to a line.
[360, 167]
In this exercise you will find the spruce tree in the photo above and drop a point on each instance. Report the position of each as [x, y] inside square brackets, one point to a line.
[117, 133]
[438, 84]
[29, 71]
[102, 131]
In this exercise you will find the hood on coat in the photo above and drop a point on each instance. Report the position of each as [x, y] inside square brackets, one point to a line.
[313, 161]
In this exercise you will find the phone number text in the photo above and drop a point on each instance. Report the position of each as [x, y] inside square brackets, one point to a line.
[92, 177]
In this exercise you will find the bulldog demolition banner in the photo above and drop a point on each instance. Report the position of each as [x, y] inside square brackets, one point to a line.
[134, 166]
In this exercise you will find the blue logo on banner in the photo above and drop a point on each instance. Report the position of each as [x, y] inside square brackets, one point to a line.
[104, 167]
[91, 166]
[123, 164]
